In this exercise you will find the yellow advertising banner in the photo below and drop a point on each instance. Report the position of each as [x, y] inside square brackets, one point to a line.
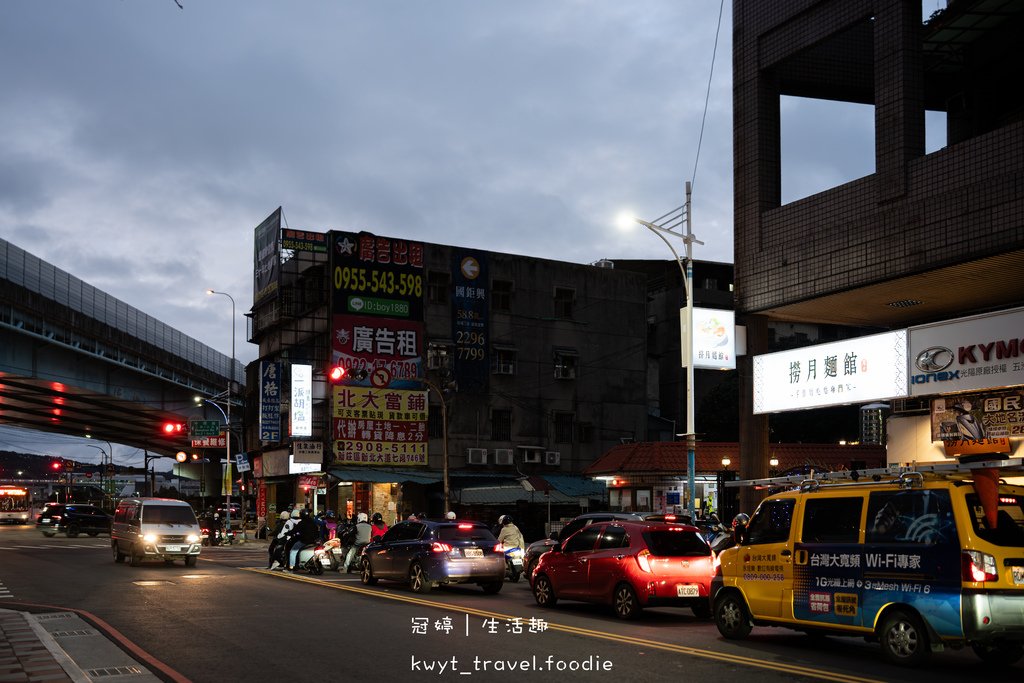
[379, 426]
[972, 446]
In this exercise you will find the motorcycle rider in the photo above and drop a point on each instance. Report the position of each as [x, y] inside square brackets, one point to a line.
[272, 548]
[379, 527]
[304, 533]
[510, 536]
[364, 533]
[283, 537]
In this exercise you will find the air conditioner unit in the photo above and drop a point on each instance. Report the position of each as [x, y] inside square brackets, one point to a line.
[503, 456]
[531, 456]
[552, 457]
[504, 369]
[565, 372]
[476, 456]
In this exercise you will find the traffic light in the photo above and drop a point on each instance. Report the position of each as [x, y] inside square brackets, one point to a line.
[174, 428]
[336, 374]
[55, 465]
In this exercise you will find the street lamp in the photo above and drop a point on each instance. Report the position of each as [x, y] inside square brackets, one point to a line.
[444, 437]
[687, 338]
[227, 416]
[773, 463]
[227, 436]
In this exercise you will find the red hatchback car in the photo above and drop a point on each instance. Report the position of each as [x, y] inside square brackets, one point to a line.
[629, 565]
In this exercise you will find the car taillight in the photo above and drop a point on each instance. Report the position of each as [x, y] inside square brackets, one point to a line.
[500, 548]
[641, 559]
[439, 547]
[55, 518]
[978, 566]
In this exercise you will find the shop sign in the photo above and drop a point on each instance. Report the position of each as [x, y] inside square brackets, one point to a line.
[302, 400]
[379, 426]
[862, 369]
[211, 442]
[971, 447]
[967, 354]
[714, 339]
[309, 481]
[989, 415]
[270, 401]
[308, 451]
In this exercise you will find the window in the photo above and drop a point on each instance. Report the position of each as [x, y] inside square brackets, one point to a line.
[924, 517]
[770, 524]
[438, 287]
[565, 300]
[563, 427]
[403, 531]
[565, 364]
[676, 544]
[501, 424]
[584, 432]
[584, 540]
[1009, 529]
[613, 537]
[832, 520]
[710, 283]
[439, 356]
[501, 296]
[503, 361]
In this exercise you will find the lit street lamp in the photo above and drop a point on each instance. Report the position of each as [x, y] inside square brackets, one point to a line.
[227, 416]
[687, 336]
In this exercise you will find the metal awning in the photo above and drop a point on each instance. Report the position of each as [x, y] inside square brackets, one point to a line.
[384, 476]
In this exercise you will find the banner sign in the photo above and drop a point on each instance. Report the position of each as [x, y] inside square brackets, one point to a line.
[270, 401]
[972, 447]
[989, 415]
[303, 240]
[220, 441]
[367, 266]
[868, 368]
[308, 452]
[379, 426]
[968, 354]
[372, 344]
[469, 322]
[266, 258]
[301, 413]
[714, 339]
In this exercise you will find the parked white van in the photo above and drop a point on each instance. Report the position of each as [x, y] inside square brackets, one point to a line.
[155, 529]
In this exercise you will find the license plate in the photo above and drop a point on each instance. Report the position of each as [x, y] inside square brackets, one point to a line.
[686, 590]
[325, 561]
[1018, 576]
[472, 552]
[173, 548]
[44, 521]
[517, 562]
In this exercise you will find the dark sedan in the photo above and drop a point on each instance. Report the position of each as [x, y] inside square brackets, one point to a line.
[73, 519]
[427, 554]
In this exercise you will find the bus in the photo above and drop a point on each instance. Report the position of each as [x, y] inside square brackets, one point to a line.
[15, 505]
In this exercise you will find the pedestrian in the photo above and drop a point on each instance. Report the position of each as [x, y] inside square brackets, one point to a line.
[363, 535]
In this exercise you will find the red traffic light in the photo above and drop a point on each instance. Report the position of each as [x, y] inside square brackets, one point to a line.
[173, 428]
[336, 374]
[55, 465]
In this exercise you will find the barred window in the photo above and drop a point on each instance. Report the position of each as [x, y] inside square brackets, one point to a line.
[501, 424]
[564, 427]
[501, 295]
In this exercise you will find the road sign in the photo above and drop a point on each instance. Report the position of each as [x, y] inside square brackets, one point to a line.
[197, 428]
[219, 441]
[242, 462]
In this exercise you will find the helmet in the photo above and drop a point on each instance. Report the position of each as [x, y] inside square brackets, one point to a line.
[295, 514]
[504, 519]
[740, 520]
[450, 515]
[377, 517]
[361, 517]
[216, 516]
[285, 514]
[329, 514]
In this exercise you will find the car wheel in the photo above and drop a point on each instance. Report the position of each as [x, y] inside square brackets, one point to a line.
[72, 530]
[134, 558]
[701, 610]
[530, 566]
[544, 592]
[366, 575]
[315, 567]
[190, 560]
[418, 579]
[732, 617]
[118, 555]
[94, 533]
[492, 587]
[514, 576]
[903, 638]
[625, 602]
[998, 654]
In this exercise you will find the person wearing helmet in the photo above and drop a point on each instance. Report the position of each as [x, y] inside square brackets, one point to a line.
[284, 536]
[450, 514]
[303, 534]
[379, 527]
[272, 561]
[739, 526]
[510, 536]
[364, 534]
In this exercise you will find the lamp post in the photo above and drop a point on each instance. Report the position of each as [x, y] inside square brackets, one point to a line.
[227, 416]
[227, 436]
[773, 464]
[444, 437]
[687, 337]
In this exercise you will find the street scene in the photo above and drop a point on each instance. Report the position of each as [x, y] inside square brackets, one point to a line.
[568, 341]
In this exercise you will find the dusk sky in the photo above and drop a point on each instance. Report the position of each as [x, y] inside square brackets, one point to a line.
[141, 144]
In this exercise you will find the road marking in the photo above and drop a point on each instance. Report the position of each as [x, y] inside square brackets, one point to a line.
[795, 670]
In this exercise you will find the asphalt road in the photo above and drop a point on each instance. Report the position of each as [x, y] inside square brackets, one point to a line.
[229, 619]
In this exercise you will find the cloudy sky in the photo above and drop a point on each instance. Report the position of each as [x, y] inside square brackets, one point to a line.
[140, 143]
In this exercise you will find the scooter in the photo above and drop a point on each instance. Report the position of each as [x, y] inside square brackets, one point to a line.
[513, 564]
[311, 559]
[218, 537]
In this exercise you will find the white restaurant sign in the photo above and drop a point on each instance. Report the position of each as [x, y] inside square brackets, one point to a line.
[967, 354]
[714, 339]
[868, 368]
[302, 400]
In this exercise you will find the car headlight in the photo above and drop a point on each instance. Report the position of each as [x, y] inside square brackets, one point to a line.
[192, 538]
[150, 538]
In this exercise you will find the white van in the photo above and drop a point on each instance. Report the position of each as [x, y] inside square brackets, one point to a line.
[155, 529]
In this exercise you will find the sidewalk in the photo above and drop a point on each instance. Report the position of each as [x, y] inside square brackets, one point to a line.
[61, 647]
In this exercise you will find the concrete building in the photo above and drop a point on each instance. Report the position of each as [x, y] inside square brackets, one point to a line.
[925, 238]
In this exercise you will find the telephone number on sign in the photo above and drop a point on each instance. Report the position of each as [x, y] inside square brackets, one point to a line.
[381, 447]
[378, 281]
[762, 577]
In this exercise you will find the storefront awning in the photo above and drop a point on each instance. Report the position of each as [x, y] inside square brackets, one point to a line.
[384, 476]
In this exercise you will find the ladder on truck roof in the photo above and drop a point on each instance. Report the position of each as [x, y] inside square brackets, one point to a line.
[893, 474]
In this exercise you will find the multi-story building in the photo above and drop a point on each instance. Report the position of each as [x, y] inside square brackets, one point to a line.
[925, 238]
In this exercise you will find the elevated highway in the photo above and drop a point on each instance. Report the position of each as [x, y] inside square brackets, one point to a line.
[75, 360]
